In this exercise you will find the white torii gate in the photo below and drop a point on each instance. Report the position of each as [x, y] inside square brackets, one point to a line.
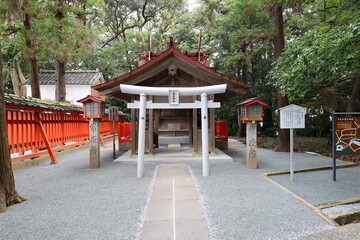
[174, 94]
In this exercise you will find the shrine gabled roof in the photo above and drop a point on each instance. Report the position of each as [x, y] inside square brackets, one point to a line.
[195, 73]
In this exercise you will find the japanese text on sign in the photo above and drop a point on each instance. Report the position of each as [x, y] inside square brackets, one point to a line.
[173, 96]
[292, 117]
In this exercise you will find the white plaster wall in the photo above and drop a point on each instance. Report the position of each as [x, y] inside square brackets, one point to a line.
[73, 92]
[76, 92]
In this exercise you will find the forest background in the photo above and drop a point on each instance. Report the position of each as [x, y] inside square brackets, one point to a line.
[305, 52]
[319, 67]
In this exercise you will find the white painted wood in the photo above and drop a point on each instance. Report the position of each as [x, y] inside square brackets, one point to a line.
[164, 91]
[195, 105]
[205, 134]
[141, 140]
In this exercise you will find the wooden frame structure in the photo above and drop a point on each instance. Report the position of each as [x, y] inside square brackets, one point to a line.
[172, 68]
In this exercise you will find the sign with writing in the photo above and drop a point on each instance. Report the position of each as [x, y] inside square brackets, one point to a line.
[114, 113]
[347, 134]
[292, 116]
[174, 96]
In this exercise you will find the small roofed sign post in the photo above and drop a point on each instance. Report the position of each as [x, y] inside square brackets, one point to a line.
[114, 117]
[345, 135]
[292, 116]
[94, 110]
[250, 112]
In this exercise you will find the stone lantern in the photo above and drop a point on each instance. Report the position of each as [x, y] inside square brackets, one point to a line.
[250, 112]
[94, 110]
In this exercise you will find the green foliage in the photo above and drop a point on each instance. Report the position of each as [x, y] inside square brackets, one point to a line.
[322, 56]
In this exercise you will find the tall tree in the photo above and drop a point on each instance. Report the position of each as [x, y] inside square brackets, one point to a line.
[8, 194]
[60, 85]
[276, 13]
[31, 52]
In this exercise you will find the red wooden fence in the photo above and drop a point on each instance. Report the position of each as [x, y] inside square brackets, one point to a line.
[38, 131]
[221, 131]
[124, 132]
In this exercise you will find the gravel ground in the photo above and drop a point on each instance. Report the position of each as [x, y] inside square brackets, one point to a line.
[341, 209]
[318, 187]
[240, 204]
[67, 201]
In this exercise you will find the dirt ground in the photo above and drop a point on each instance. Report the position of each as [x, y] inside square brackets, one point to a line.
[306, 144]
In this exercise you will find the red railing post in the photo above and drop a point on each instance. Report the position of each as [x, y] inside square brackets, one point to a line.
[45, 138]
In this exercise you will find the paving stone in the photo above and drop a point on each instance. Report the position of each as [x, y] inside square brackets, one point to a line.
[188, 229]
[185, 193]
[183, 182]
[188, 209]
[159, 210]
[164, 192]
[157, 230]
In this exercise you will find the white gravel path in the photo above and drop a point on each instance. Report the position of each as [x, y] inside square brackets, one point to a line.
[67, 201]
[240, 204]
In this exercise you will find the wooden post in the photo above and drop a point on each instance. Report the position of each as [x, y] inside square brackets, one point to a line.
[94, 143]
[133, 131]
[212, 128]
[151, 128]
[45, 139]
[190, 127]
[195, 131]
[156, 128]
[113, 133]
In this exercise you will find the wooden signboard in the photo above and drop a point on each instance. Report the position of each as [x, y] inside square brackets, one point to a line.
[114, 113]
[347, 134]
[292, 116]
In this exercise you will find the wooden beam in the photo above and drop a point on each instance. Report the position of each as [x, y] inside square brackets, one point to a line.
[156, 128]
[133, 130]
[45, 138]
[212, 128]
[190, 114]
[195, 132]
[151, 128]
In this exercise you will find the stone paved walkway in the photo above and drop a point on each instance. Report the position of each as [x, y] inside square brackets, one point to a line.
[174, 211]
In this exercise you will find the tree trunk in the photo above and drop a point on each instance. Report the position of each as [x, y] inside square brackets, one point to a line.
[32, 61]
[268, 117]
[244, 64]
[60, 85]
[354, 97]
[279, 44]
[34, 77]
[18, 80]
[8, 194]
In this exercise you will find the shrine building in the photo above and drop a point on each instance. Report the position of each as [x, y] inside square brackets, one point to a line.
[172, 69]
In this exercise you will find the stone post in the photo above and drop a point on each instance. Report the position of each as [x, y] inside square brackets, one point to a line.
[94, 143]
[251, 133]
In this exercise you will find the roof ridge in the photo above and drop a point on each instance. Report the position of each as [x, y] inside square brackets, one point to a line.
[71, 71]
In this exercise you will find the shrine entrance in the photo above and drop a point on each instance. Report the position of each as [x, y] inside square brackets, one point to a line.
[173, 94]
[174, 117]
